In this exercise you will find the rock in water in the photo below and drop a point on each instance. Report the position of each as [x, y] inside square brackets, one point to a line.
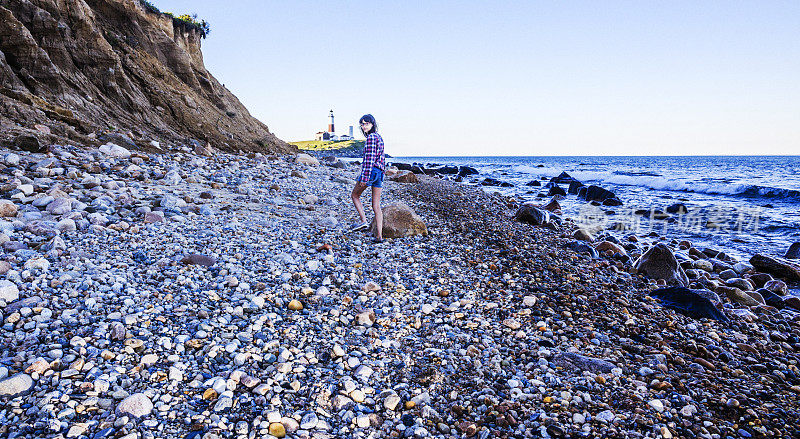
[399, 220]
[596, 193]
[136, 405]
[571, 360]
[777, 266]
[659, 263]
[563, 177]
[793, 252]
[688, 302]
[17, 385]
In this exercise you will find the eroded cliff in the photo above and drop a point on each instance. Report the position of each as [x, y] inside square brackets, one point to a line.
[80, 71]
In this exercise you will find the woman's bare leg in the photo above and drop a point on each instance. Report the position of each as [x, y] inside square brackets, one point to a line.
[376, 207]
[356, 197]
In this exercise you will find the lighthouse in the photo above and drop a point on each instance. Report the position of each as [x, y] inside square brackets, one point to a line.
[330, 126]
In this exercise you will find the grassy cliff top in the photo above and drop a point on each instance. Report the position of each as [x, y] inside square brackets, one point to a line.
[327, 145]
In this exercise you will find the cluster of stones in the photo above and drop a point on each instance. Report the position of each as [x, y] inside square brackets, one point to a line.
[149, 296]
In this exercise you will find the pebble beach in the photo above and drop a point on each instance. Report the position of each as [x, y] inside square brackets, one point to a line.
[179, 295]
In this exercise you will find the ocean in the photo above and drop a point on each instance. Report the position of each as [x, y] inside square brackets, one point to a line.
[740, 204]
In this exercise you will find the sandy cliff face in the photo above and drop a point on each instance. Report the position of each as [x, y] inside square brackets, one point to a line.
[74, 70]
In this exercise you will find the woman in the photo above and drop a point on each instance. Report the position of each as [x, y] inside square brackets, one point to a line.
[372, 169]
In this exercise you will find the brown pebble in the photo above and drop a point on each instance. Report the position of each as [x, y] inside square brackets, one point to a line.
[705, 363]
[295, 305]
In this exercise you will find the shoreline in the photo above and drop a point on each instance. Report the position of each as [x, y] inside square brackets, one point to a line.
[750, 224]
[244, 311]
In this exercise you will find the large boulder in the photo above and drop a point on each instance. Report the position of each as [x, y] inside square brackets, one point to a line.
[137, 405]
[7, 209]
[29, 143]
[737, 296]
[405, 177]
[17, 385]
[573, 361]
[400, 220]
[693, 303]
[564, 178]
[596, 193]
[778, 266]
[574, 186]
[659, 263]
[8, 291]
[489, 181]
[115, 151]
[466, 171]
[582, 247]
[305, 159]
[534, 215]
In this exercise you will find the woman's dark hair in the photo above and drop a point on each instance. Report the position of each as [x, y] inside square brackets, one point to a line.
[368, 118]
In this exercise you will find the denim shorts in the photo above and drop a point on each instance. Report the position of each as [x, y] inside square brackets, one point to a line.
[375, 178]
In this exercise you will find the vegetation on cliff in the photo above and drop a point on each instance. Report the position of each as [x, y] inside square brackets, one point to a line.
[189, 22]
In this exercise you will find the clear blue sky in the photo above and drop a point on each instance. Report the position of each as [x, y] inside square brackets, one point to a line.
[518, 78]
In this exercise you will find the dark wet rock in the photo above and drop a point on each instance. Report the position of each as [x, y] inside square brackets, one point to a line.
[613, 201]
[488, 181]
[535, 183]
[659, 263]
[571, 360]
[556, 190]
[792, 302]
[444, 170]
[402, 166]
[534, 215]
[466, 171]
[793, 252]
[564, 178]
[688, 302]
[198, 259]
[596, 193]
[29, 143]
[760, 279]
[677, 208]
[553, 205]
[574, 186]
[777, 286]
[582, 247]
[777, 266]
[771, 299]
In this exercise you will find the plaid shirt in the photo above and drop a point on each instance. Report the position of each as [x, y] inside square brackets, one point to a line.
[373, 156]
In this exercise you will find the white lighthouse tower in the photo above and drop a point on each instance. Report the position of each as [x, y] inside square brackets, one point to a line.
[330, 126]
